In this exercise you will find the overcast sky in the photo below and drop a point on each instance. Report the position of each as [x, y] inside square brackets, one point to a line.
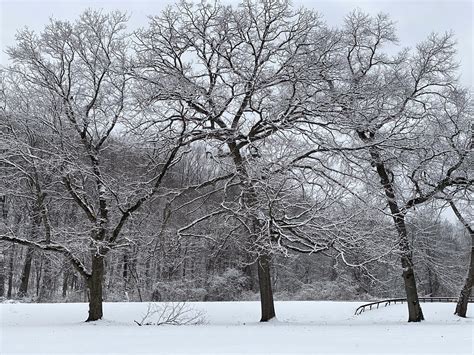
[415, 18]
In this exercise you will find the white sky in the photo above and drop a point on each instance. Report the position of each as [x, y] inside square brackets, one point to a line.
[415, 18]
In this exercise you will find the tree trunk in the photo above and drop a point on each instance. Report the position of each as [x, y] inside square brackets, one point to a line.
[433, 283]
[265, 283]
[25, 274]
[94, 284]
[47, 287]
[461, 307]
[39, 273]
[65, 282]
[125, 272]
[415, 313]
[250, 202]
[125, 268]
[148, 277]
[4, 210]
[10, 271]
[249, 271]
[35, 219]
[2, 274]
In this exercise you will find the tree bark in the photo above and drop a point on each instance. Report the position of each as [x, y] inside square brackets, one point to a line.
[3, 204]
[10, 272]
[125, 272]
[415, 314]
[2, 274]
[94, 284]
[461, 306]
[65, 282]
[34, 230]
[47, 287]
[26, 272]
[265, 283]
[249, 271]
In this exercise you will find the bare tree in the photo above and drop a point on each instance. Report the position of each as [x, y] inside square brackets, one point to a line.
[238, 75]
[394, 108]
[69, 88]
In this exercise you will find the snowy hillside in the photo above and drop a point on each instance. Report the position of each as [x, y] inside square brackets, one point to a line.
[232, 327]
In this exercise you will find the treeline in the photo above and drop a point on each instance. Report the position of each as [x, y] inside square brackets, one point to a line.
[228, 153]
[158, 264]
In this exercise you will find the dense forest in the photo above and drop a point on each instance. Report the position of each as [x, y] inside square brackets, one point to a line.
[234, 153]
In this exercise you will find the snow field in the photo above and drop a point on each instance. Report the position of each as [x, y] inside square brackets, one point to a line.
[233, 328]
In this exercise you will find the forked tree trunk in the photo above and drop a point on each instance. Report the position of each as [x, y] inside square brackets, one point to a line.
[94, 285]
[265, 283]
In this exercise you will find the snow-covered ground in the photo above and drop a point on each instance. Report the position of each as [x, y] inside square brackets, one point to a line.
[233, 328]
